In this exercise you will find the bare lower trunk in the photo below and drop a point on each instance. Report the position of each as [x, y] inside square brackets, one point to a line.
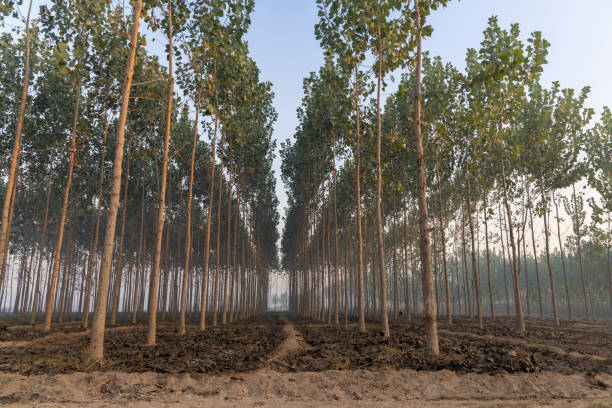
[361, 282]
[16, 149]
[188, 222]
[379, 221]
[58, 248]
[429, 303]
[119, 270]
[96, 349]
[515, 268]
[473, 250]
[567, 293]
[35, 294]
[579, 246]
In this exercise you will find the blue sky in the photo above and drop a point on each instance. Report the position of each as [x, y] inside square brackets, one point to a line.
[282, 41]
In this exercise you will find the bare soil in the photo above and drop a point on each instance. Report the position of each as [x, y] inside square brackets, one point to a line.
[276, 361]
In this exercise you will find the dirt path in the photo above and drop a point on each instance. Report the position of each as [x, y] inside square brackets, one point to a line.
[293, 343]
[266, 387]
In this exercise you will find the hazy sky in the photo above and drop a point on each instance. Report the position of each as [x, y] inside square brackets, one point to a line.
[282, 41]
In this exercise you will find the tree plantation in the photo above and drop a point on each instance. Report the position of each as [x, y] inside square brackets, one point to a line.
[445, 235]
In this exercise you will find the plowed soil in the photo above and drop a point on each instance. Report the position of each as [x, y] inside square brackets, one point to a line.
[273, 359]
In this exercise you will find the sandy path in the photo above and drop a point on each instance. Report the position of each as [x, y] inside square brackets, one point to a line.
[265, 387]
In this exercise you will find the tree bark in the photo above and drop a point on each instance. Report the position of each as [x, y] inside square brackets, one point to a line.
[429, 303]
[188, 222]
[96, 345]
[4, 236]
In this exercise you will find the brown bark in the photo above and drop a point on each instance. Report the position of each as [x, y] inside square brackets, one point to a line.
[96, 349]
[4, 235]
[35, 294]
[579, 247]
[515, 267]
[159, 232]
[379, 221]
[58, 248]
[567, 293]
[188, 222]
[94, 248]
[473, 251]
[119, 270]
[361, 282]
[429, 303]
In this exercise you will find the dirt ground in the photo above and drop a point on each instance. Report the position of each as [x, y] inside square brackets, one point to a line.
[274, 360]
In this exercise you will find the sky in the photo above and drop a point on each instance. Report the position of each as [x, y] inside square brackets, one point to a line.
[282, 42]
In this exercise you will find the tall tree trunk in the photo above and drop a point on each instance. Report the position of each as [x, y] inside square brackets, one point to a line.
[209, 217]
[36, 294]
[159, 231]
[58, 248]
[429, 303]
[4, 235]
[217, 251]
[547, 245]
[579, 247]
[96, 349]
[336, 278]
[486, 225]
[443, 239]
[94, 248]
[515, 266]
[188, 222]
[361, 296]
[473, 250]
[228, 248]
[379, 221]
[567, 293]
[119, 270]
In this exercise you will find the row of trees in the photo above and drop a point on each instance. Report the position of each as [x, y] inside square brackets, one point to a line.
[484, 163]
[197, 219]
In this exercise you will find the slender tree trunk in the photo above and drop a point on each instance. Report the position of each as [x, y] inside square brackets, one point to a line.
[486, 225]
[207, 240]
[443, 238]
[96, 349]
[119, 273]
[4, 235]
[58, 248]
[361, 282]
[567, 293]
[36, 294]
[429, 303]
[94, 249]
[579, 247]
[159, 233]
[515, 267]
[228, 248]
[473, 250]
[379, 220]
[217, 252]
[336, 278]
[188, 222]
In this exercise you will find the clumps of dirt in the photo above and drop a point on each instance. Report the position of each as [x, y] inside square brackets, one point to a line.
[334, 348]
[215, 351]
[32, 332]
[593, 338]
